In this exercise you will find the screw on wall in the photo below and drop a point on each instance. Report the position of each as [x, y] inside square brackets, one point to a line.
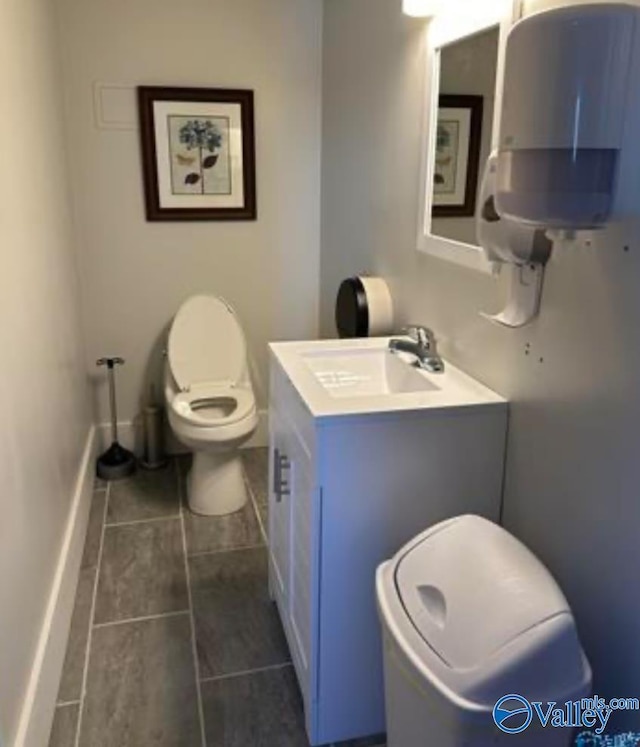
[528, 351]
[625, 248]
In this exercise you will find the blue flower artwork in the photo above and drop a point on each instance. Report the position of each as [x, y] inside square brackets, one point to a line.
[446, 161]
[199, 154]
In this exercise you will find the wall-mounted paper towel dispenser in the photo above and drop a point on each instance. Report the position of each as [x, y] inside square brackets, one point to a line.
[568, 157]
[524, 249]
[566, 100]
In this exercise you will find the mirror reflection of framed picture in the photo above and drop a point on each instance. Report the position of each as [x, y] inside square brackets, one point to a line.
[457, 157]
[198, 153]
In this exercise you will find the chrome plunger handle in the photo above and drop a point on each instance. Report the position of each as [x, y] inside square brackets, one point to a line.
[111, 363]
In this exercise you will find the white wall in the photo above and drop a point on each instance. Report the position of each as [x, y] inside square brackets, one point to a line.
[573, 471]
[135, 274]
[43, 399]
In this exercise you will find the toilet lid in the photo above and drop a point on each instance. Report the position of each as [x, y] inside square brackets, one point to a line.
[206, 343]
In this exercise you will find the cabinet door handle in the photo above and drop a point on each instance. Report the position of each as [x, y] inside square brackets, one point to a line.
[285, 487]
[281, 486]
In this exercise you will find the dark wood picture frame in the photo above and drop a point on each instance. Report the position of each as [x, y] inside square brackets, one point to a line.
[155, 211]
[475, 105]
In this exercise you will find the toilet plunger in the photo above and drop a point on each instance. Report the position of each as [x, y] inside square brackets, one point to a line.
[116, 462]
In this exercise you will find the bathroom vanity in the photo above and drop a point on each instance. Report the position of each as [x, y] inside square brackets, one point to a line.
[366, 451]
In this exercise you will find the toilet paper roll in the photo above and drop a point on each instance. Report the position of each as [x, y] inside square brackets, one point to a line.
[364, 308]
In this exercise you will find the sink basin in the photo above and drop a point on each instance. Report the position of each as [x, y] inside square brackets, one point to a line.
[361, 377]
[365, 373]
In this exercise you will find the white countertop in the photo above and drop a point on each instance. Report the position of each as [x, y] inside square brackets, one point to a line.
[452, 389]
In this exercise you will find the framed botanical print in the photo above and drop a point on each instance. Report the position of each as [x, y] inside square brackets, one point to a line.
[198, 153]
[457, 160]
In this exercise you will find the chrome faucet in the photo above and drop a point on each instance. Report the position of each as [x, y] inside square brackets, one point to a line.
[423, 345]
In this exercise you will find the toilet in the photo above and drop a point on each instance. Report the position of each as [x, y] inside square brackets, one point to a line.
[210, 401]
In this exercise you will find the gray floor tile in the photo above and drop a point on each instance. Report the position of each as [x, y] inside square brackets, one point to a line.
[71, 680]
[72, 671]
[213, 533]
[141, 686]
[256, 467]
[237, 625]
[145, 495]
[262, 709]
[63, 731]
[99, 483]
[94, 530]
[142, 571]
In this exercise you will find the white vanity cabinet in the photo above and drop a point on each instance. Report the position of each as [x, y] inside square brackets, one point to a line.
[349, 483]
[293, 500]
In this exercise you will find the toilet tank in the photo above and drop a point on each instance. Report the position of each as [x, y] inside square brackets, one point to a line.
[567, 93]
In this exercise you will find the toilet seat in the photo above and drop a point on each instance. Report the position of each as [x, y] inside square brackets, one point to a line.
[206, 344]
[214, 405]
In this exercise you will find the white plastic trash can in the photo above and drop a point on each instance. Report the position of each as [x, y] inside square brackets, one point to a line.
[470, 615]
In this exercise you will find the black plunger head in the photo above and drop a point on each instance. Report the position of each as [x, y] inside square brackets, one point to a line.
[116, 463]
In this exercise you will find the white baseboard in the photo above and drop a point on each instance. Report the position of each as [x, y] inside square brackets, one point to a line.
[42, 691]
[130, 436]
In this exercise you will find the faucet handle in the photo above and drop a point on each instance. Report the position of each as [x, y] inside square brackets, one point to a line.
[422, 335]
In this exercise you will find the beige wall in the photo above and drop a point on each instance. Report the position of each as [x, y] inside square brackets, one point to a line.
[135, 274]
[44, 419]
[572, 470]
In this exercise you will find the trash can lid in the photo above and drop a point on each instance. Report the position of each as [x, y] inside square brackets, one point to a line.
[469, 588]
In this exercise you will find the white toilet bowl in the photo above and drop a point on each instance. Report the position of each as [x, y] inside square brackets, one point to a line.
[210, 401]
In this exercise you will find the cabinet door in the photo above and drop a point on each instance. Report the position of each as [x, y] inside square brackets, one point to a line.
[293, 547]
[279, 512]
[302, 554]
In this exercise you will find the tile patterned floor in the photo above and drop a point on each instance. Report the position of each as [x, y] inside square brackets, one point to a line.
[174, 641]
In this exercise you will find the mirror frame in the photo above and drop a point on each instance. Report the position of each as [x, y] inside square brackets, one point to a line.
[446, 29]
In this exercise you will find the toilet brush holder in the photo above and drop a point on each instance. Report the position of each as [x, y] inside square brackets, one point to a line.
[154, 455]
[116, 462]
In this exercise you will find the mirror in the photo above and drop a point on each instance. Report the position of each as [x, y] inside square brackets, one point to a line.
[462, 144]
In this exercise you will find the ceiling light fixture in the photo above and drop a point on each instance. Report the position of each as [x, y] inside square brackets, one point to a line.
[420, 8]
